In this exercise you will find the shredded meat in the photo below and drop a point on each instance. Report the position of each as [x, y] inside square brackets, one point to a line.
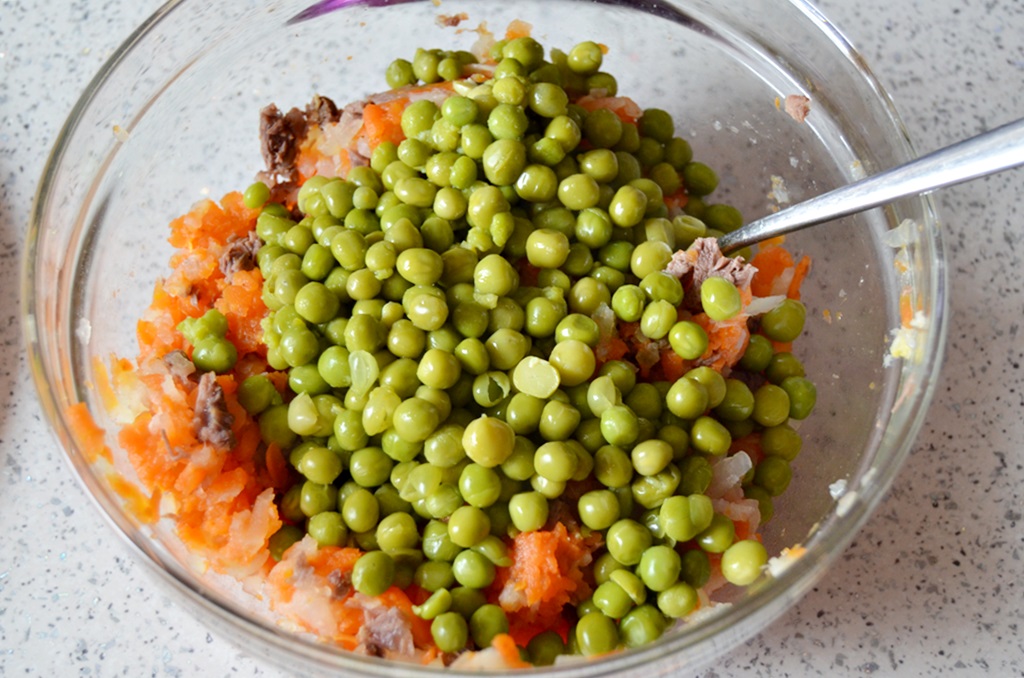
[451, 20]
[798, 107]
[212, 420]
[322, 111]
[280, 135]
[341, 584]
[704, 260]
[179, 366]
[240, 254]
[385, 631]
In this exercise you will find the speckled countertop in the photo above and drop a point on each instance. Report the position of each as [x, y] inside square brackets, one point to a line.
[933, 585]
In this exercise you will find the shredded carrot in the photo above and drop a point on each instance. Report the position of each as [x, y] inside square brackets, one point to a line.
[383, 122]
[518, 29]
[771, 264]
[546, 574]
[673, 365]
[803, 267]
[277, 467]
[677, 200]
[906, 307]
[88, 436]
[509, 652]
[727, 341]
[624, 107]
[145, 509]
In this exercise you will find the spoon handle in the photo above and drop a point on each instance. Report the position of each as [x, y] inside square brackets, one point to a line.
[988, 153]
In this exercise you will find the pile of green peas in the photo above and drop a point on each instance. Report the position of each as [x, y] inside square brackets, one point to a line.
[443, 402]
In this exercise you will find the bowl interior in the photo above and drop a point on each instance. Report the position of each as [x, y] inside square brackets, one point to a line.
[174, 119]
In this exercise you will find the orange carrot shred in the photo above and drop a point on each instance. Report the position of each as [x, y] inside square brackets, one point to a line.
[509, 651]
[87, 434]
[803, 267]
[518, 29]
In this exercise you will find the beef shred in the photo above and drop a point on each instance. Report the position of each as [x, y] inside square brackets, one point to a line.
[322, 111]
[240, 254]
[385, 632]
[709, 262]
[212, 420]
[280, 134]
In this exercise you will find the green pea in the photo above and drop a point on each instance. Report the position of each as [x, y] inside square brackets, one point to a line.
[360, 510]
[688, 340]
[743, 562]
[619, 425]
[785, 322]
[699, 179]
[327, 528]
[473, 569]
[720, 299]
[495, 550]
[397, 532]
[256, 394]
[758, 354]
[596, 633]
[537, 183]
[626, 540]
[282, 540]
[651, 491]
[724, 218]
[803, 396]
[373, 573]
[629, 302]
[683, 518]
[659, 568]
[678, 600]
[488, 441]
[771, 405]
[547, 100]
[709, 436]
[642, 625]
[320, 465]
[450, 632]
[628, 206]
[214, 354]
[650, 257]
[781, 441]
[738, 402]
[558, 421]
[612, 466]
[578, 192]
[547, 248]
[763, 499]
[718, 536]
[612, 600]
[666, 176]
[370, 467]
[487, 621]
[773, 474]
[479, 486]
[598, 510]
[712, 380]
[544, 647]
[651, 457]
[577, 326]
[687, 399]
[467, 526]
[658, 319]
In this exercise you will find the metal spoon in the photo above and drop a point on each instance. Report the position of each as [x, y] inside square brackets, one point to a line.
[994, 151]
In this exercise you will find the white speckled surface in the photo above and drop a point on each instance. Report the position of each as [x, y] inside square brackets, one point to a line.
[933, 585]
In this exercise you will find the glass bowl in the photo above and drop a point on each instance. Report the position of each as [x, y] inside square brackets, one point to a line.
[172, 118]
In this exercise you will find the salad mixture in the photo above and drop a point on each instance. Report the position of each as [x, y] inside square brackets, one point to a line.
[464, 377]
